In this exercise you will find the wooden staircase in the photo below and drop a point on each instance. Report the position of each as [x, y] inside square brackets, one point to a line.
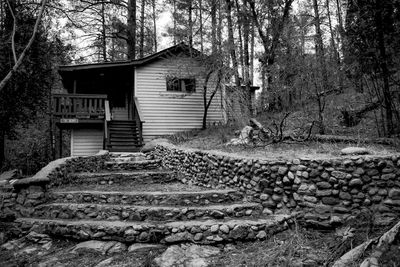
[124, 136]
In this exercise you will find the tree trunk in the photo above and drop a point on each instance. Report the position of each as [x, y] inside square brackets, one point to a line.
[269, 44]
[154, 25]
[103, 33]
[319, 46]
[240, 22]
[190, 11]
[220, 18]
[213, 28]
[174, 19]
[246, 60]
[252, 54]
[2, 148]
[385, 71]
[201, 25]
[335, 49]
[232, 42]
[141, 42]
[131, 29]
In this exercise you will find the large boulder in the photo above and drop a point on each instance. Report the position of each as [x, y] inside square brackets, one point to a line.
[355, 151]
[187, 255]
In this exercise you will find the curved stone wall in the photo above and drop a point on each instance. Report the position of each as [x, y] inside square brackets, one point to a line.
[324, 190]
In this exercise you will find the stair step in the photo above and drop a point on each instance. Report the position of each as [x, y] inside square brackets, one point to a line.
[122, 123]
[143, 197]
[199, 231]
[118, 212]
[121, 177]
[124, 136]
[123, 130]
[132, 165]
[123, 143]
[124, 149]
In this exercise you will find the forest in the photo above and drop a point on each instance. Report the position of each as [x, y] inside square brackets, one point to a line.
[333, 63]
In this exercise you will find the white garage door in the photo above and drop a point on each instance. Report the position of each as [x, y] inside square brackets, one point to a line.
[85, 142]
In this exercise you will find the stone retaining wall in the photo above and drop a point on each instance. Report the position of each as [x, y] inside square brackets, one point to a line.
[324, 190]
[31, 192]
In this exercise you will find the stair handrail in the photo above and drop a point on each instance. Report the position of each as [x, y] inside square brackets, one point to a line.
[138, 119]
[107, 118]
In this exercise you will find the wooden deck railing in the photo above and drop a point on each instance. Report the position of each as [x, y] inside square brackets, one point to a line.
[85, 106]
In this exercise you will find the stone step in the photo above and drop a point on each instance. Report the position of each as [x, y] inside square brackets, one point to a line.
[175, 198]
[199, 231]
[145, 213]
[132, 165]
[121, 177]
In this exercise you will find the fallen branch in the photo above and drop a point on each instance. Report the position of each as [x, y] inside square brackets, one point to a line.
[356, 253]
[383, 245]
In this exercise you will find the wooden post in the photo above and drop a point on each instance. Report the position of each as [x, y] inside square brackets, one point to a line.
[61, 143]
[74, 86]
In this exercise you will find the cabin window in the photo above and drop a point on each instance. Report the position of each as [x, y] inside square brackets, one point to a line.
[186, 85]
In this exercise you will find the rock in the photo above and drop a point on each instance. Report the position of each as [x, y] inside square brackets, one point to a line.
[214, 228]
[140, 247]
[187, 255]
[324, 193]
[117, 248]
[330, 201]
[282, 170]
[394, 194]
[150, 146]
[99, 246]
[310, 199]
[339, 174]
[244, 137]
[356, 182]
[261, 235]
[238, 232]
[179, 237]
[355, 151]
[105, 263]
[324, 185]
[345, 195]
[198, 237]
[224, 229]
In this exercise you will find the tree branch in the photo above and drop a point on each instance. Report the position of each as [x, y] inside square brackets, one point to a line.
[13, 32]
[22, 55]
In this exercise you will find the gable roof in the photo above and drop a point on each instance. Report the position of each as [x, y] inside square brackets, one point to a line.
[168, 52]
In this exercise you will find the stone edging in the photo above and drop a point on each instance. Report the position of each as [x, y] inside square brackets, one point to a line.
[44, 175]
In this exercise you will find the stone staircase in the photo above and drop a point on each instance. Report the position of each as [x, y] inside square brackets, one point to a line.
[133, 199]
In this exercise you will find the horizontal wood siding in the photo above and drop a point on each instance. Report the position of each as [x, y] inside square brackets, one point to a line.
[85, 142]
[165, 112]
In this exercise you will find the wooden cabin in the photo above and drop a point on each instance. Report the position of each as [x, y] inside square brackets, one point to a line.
[119, 106]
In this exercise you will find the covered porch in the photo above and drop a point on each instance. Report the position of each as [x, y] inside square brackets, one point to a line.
[99, 101]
